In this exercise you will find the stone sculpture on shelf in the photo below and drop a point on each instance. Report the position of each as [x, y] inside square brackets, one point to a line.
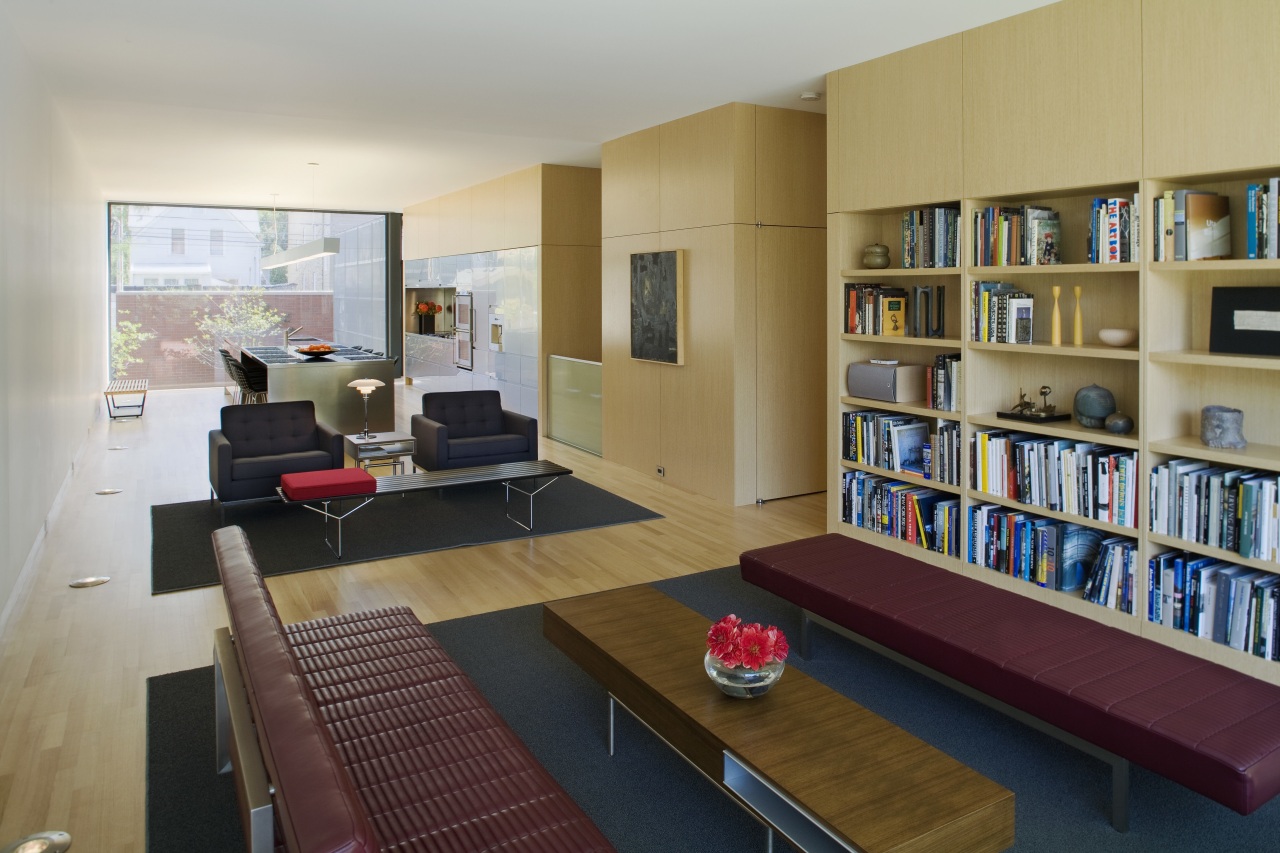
[1118, 423]
[1223, 427]
[1092, 405]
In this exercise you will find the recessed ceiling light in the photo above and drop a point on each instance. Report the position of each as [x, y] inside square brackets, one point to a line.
[82, 583]
[108, 491]
[811, 96]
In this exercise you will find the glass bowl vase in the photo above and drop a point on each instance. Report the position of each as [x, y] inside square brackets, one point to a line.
[740, 682]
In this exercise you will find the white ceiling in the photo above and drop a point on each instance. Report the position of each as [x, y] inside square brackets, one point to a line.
[399, 101]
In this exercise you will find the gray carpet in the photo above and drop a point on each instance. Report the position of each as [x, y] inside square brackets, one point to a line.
[646, 799]
[290, 538]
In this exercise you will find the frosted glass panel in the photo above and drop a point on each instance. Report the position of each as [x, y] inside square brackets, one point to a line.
[573, 400]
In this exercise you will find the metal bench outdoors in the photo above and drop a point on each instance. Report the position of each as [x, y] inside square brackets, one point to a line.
[127, 387]
[399, 484]
[1116, 695]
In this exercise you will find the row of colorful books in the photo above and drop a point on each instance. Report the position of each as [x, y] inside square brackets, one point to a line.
[907, 511]
[1191, 225]
[1114, 230]
[1001, 313]
[888, 440]
[942, 454]
[1016, 236]
[875, 309]
[930, 237]
[1261, 239]
[1236, 509]
[1217, 600]
[1077, 477]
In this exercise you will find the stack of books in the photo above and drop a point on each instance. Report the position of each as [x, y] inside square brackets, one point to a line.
[1236, 509]
[875, 309]
[1217, 600]
[1114, 230]
[1192, 225]
[1016, 236]
[943, 382]
[1261, 240]
[1001, 313]
[929, 238]
[907, 511]
[1077, 477]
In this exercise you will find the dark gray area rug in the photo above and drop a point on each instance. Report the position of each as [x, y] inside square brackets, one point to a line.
[290, 538]
[645, 798]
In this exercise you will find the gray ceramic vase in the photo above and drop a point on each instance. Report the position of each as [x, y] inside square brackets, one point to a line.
[1092, 405]
[1222, 426]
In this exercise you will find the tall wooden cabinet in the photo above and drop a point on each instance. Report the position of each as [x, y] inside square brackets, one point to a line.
[737, 189]
[1077, 100]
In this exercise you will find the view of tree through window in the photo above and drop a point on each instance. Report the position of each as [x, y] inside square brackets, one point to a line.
[186, 281]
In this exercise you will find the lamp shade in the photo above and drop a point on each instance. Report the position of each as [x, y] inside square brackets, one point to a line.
[365, 386]
[305, 252]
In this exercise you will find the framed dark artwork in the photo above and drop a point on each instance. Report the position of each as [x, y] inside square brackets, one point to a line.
[657, 306]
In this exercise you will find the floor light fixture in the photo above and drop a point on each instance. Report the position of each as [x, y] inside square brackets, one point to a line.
[365, 387]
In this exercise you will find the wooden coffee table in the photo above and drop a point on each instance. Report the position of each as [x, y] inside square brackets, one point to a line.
[820, 769]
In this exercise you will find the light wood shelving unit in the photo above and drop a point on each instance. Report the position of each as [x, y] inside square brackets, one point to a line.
[1013, 156]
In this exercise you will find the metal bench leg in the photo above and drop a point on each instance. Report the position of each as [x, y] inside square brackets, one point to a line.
[1120, 795]
[806, 633]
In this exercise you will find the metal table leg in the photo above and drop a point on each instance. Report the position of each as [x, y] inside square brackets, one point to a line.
[530, 494]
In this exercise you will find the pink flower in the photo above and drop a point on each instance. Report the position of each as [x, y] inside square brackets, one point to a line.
[722, 639]
[756, 645]
[780, 645]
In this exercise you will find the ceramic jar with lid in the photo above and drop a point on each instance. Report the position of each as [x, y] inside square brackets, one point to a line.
[875, 256]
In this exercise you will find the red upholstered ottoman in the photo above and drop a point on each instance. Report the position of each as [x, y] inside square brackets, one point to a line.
[330, 483]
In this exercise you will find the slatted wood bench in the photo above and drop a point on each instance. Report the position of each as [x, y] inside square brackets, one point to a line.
[325, 487]
[128, 388]
[1116, 695]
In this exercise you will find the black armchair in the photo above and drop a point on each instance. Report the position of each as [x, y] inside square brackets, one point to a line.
[465, 429]
[258, 443]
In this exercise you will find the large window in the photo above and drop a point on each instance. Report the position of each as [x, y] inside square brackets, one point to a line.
[176, 298]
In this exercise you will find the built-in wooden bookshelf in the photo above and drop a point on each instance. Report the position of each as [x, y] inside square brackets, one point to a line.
[1164, 379]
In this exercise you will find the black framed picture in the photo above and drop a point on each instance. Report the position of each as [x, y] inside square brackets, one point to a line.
[657, 306]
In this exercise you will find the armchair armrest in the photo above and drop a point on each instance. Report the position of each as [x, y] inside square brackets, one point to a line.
[515, 423]
[431, 442]
[219, 460]
[330, 439]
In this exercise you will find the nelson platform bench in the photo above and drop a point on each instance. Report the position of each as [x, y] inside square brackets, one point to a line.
[338, 484]
[128, 388]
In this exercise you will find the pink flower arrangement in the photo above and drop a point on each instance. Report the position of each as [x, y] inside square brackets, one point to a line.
[750, 646]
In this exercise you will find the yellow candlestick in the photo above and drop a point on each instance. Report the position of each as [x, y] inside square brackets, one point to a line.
[1055, 327]
[1077, 331]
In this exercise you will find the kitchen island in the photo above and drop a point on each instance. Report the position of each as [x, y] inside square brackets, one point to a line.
[322, 379]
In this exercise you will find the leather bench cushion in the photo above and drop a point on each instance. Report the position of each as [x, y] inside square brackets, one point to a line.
[487, 445]
[257, 467]
[435, 765]
[328, 483]
[318, 808]
[1207, 727]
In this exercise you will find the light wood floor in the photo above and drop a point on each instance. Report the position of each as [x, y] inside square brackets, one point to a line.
[74, 663]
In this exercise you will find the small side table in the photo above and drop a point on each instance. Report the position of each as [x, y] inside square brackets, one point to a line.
[382, 448]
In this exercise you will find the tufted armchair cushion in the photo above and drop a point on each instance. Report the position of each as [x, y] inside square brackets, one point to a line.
[465, 429]
[259, 443]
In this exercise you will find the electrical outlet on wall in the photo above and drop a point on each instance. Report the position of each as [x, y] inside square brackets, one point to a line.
[662, 472]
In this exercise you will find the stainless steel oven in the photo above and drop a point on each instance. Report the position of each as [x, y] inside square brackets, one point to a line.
[463, 317]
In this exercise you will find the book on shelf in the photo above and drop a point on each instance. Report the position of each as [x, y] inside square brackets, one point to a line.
[1207, 220]
[907, 441]
[1046, 238]
[1114, 229]
[929, 237]
[865, 307]
[892, 319]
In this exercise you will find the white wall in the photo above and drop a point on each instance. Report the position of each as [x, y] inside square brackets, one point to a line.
[52, 306]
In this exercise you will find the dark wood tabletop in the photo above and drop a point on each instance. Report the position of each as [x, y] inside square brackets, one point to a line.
[876, 785]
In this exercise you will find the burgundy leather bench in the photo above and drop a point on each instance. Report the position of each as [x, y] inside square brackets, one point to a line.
[371, 737]
[1201, 724]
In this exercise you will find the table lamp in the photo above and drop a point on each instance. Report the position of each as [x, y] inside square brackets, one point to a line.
[365, 387]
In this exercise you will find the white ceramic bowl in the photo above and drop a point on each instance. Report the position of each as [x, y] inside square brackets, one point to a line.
[1117, 337]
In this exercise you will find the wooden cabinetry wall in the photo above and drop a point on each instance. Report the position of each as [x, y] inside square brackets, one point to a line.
[556, 208]
[1075, 100]
[739, 190]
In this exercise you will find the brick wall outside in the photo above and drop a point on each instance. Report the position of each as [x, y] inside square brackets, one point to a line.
[168, 360]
